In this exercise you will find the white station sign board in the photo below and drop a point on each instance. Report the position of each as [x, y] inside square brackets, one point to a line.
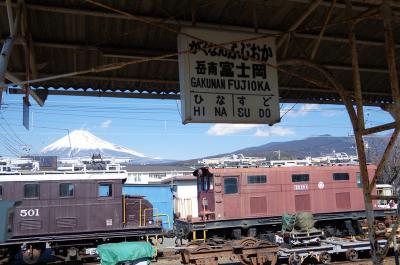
[225, 77]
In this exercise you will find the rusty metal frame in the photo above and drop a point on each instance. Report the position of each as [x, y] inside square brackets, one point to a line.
[19, 30]
[322, 31]
[30, 61]
[312, 6]
[9, 42]
[357, 116]
[248, 250]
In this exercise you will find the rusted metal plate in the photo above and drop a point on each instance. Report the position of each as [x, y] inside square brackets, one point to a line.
[248, 251]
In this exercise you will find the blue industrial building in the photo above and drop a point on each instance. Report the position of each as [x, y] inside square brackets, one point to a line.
[160, 195]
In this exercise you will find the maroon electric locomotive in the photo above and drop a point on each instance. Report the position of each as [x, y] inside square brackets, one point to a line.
[251, 201]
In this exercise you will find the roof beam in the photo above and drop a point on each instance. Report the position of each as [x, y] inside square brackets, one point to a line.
[137, 53]
[113, 94]
[311, 7]
[176, 82]
[103, 94]
[322, 31]
[36, 97]
[105, 14]
[358, 5]
[109, 78]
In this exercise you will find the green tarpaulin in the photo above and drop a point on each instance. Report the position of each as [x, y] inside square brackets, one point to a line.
[111, 254]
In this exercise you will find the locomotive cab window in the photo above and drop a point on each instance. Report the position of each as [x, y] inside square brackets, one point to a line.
[31, 191]
[341, 176]
[230, 185]
[211, 183]
[359, 182]
[66, 190]
[199, 184]
[300, 178]
[205, 183]
[105, 190]
[256, 179]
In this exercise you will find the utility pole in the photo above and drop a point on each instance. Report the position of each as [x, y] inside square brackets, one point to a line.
[279, 154]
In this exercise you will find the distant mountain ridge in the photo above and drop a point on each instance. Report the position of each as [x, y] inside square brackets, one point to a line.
[312, 146]
[82, 143]
[315, 146]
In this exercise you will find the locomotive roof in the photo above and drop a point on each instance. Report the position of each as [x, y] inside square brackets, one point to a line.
[305, 169]
[55, 176]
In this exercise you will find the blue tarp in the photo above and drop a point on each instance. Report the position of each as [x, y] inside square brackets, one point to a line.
[159, 195]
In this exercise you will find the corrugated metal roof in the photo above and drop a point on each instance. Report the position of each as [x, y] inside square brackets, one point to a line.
[75, 35]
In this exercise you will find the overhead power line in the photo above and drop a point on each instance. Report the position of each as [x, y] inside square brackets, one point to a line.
[18, 139]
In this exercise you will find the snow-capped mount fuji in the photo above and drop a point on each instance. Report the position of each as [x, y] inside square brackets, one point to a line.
[82, 143]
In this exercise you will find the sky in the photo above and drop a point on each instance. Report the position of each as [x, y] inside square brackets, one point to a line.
[154, 127]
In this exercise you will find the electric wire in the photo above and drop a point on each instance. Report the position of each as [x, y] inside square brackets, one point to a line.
[11, 129]
[7, 145]
[150, 110]
[288, 110]
[179, 122]
[9, 136]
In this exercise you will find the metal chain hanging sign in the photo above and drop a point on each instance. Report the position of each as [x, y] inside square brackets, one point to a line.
[224, 78]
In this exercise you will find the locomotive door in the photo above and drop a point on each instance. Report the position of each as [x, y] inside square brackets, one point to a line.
[219, 205]
[232, 202]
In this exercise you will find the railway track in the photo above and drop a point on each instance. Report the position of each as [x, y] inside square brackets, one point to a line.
[175, 260]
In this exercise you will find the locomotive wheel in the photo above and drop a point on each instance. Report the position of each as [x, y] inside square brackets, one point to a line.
[193, 244]
[325, 257]
[379, 252]
[252, 232]
[247, 242]
[294, 259]
[352, 254]
[262, 244]
[32, 254]
[193, 247]
[201, 249]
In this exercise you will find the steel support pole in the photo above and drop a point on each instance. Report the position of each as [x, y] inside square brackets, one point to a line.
[358, 124]
[394, 110]
[10, 17]
[8, 45]
[360, 148]
[391, 57]
[5, 56]
[369, 210]
[355, 67]
[395, 245]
